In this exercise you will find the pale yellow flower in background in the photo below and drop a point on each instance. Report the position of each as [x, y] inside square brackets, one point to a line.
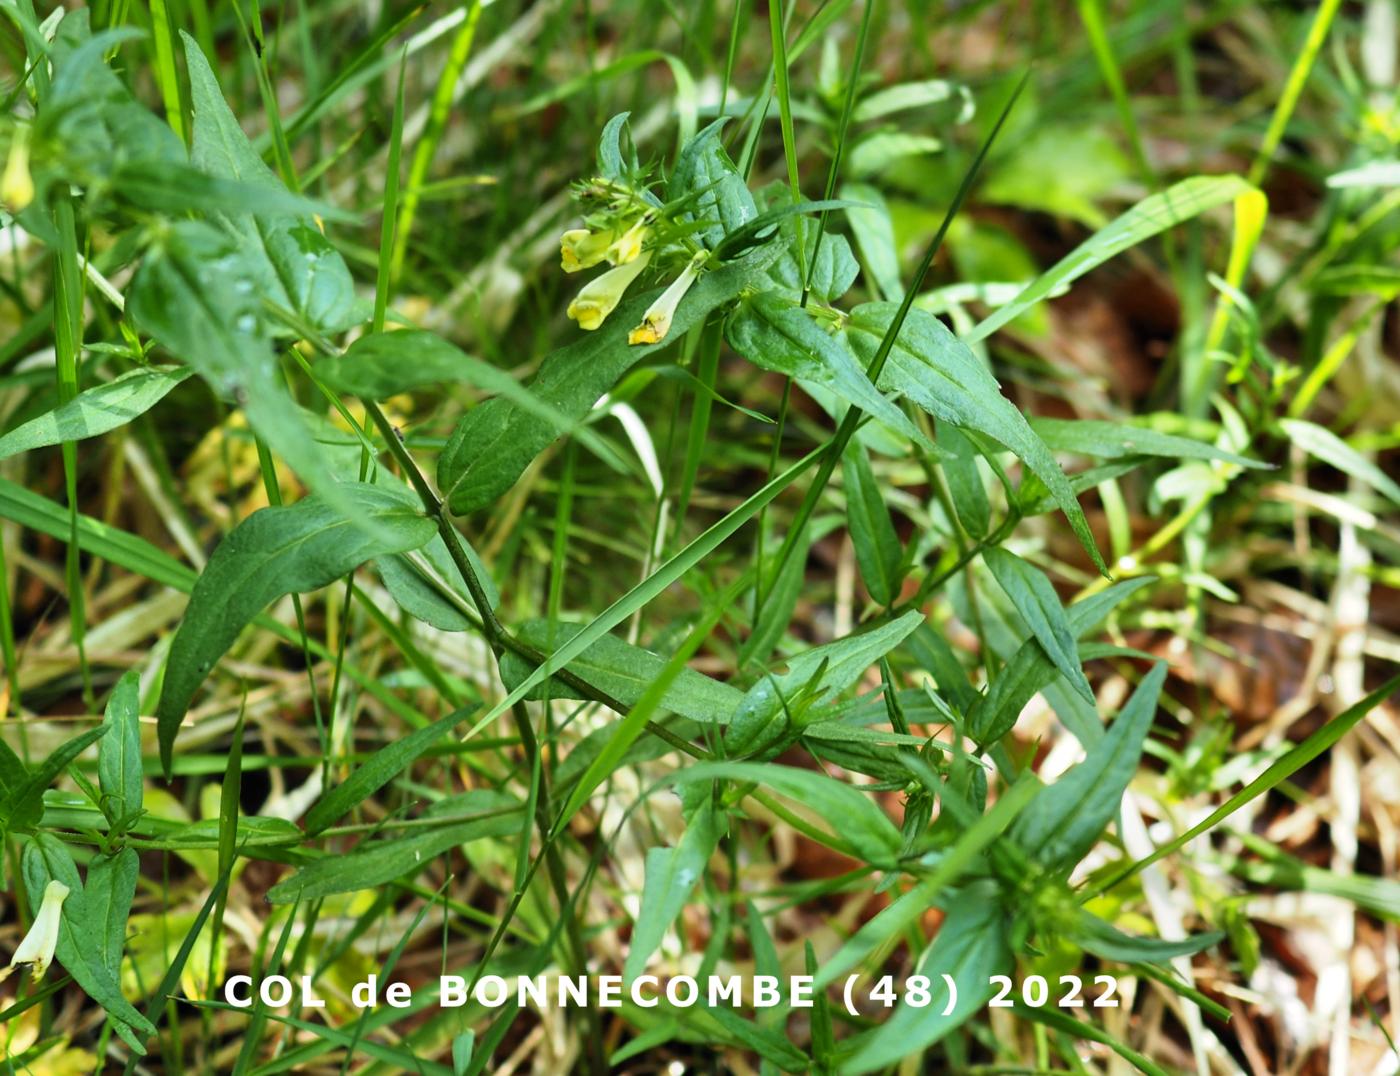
[38, 945]
[601, 295]
[17, 185]
[656, 322]
[57, 1057]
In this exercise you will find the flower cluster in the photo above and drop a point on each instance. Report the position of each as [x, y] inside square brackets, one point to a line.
[624, 235]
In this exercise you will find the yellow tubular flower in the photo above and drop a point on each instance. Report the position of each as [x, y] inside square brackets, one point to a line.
[17, 185]
[601, 295]
[629, 244]
[581, 249]
[656, 322]
[38, 945]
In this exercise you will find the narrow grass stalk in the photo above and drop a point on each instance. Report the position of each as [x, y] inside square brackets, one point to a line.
[1293, 88]
[1092, 15]
[833, 172]
[68, 343]
[780, 74]
[166, 75]
[426, 149]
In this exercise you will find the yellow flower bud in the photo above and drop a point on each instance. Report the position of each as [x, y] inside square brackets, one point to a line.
[17, 185]
[601, 295]
[581, 249]
[629, 244]
[38, 945]
[656, 322]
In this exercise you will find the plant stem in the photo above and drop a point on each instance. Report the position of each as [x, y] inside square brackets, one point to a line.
[500, 641]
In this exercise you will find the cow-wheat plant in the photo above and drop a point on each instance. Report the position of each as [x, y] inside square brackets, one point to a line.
[380, 697]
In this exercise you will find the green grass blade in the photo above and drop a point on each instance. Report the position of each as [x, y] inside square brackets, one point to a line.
[1149, 217]
[167, 76]
[1293, 88]
[426, 149]
[1279, 772]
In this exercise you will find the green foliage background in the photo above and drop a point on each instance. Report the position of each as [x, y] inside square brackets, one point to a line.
[980, 486]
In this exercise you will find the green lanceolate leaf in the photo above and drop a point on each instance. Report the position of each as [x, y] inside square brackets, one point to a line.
[938, 372]
[82, 939]
[377, 862]
[381, 768]
[717, 195]
[1298, 757]
[14, 775]
[1068, 817]
[965, 481]
[775, 333]
[818, 674]
[971, 947]
[24, 800]
[621, 670]
[89, 108]
[878, 552]
[1152, 215]
[252, 832]
[1030, 669]
[611, 163]
[119, 771]
[277, 551]
[173, 188]
[874, 234]
[1114, 440]
[774, 614]
[97, 410]
[1105, 940]
[1325, 445]
[1035, 599]
[931, 652]
[671, 876]
[780, 219]
[294, 265]
[199, 295]
[873, 155]
[833, 267]
[856, 820]
[427, 585]
[379, 365]
[494, 443]
[107, 895]
[907, 95]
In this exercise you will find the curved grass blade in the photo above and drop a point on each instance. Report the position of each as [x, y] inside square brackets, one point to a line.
[1152, 215]
[1280, 771]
